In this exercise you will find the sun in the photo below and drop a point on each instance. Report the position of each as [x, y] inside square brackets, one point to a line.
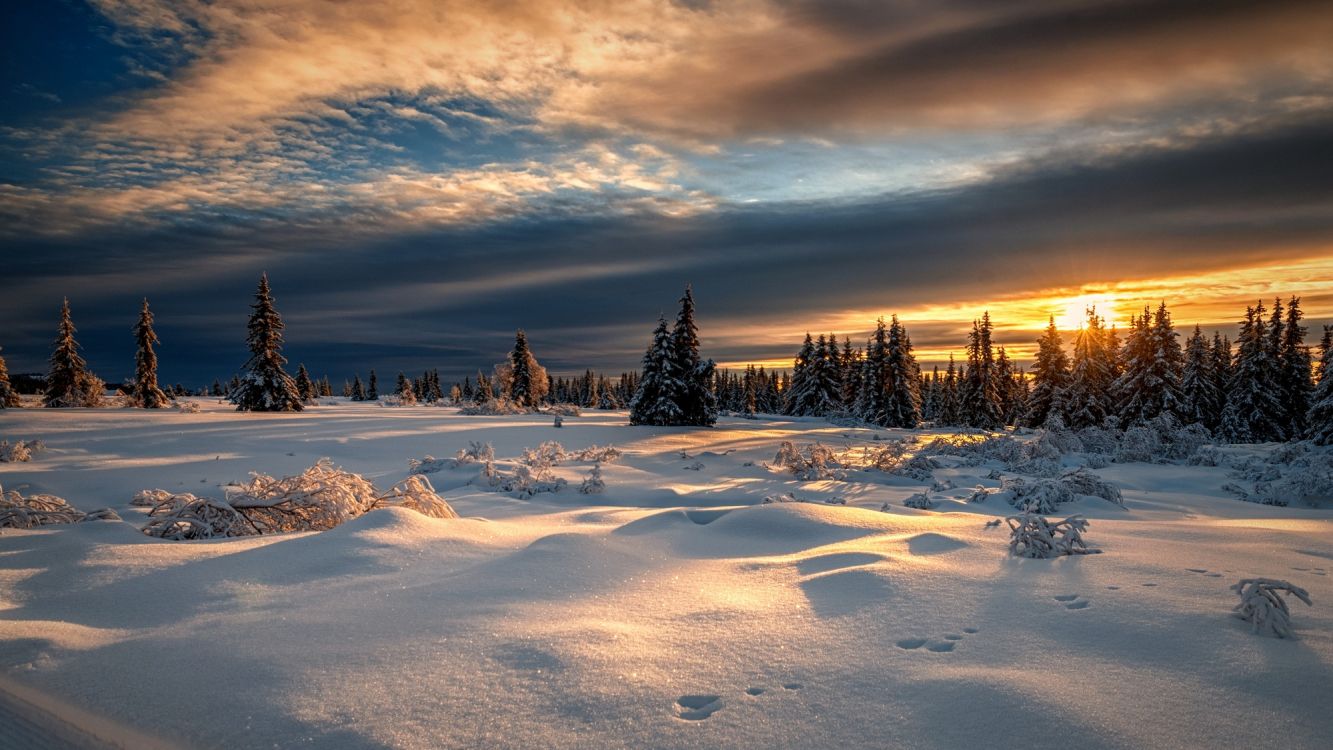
[1072, 312]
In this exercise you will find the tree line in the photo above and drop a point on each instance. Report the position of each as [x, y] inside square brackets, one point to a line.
[1266, 386]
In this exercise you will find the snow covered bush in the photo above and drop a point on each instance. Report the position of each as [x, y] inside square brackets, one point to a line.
[1041, 496]
[188, 407]
[415, 493]
[1084, 482]
[1045, 495]
[1035, 536]
[319, 498]
[1263, 606]
[1289, 473]
[20, 512]
[979, 494]
[593, 483]
[17, 452]
[494, 407]
[1206, 455]
[564, 410]
[816, 461]
[976, 449]
[186, 517]
[602, 454]
[941, 485]
[429, 464]
[1096, 460]
[525, 481]
[544, 456]
[792, 497]
[406, 398]
[918, 467]
[476, 452]
[920, 501]
[155, 498]
[1139, 444]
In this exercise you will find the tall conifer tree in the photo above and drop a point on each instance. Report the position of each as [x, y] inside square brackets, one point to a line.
[265, 385]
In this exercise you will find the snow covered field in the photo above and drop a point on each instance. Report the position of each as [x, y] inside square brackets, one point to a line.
[675, 609]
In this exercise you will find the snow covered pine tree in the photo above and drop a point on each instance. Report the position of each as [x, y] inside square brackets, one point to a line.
[68, 382]
[144, 392]
[265, 386]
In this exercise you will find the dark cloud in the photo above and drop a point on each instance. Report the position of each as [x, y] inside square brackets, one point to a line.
[884, 67]
[588, 289]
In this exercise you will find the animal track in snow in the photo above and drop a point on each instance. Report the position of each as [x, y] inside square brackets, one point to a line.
[1072, 601]
[941, 645]
[754, 691]
[1204, 571]
[793, 686]
[697, 707]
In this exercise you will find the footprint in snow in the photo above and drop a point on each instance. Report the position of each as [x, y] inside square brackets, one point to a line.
[941, 647]
[697, 707]
[754, 691]
[793, 686]
[911, 643]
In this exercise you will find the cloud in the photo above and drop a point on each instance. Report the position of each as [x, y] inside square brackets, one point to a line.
[1215, 213]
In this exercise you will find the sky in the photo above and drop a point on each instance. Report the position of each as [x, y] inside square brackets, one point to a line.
[419, 178]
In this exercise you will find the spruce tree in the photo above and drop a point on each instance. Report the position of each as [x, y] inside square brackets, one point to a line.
[1294, 370]
[798, 394]
[1150, 384]
[9, 398]
[697, 403]
[1006, 386]
[1253, 411]
[1087, 399]
[951, 405]
[902, 380]
[372, 387]
[980, 395]
[1319, 420]
[1201, 400]
[358, 388]
[1050, 378]
[653, 402]
[523, 390]
[68, 382]
[305, 387]
[265, 385]
[144, 391]
[872, 405]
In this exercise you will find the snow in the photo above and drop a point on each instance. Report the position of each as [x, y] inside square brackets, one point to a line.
[673, 609]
